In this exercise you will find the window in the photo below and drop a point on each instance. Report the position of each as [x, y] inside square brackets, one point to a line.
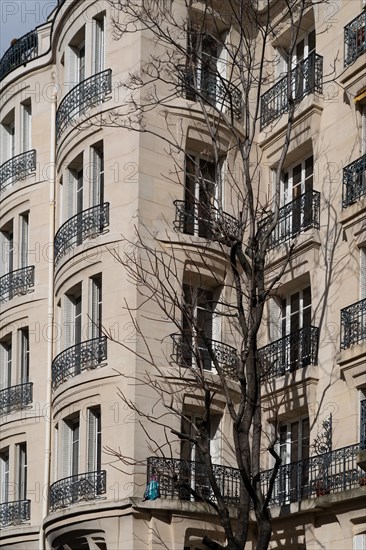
[26, 126]
[69, 464]
[199, 195]
[4, 475]
[7, 248]
[194, 425]
[6, 355]
[198, 315]
[293, 446]
[73, 318]
[22, 471]
[8, 137]
[94, 440]
[74, 190]
[24, 355]
[96, 306]
[24, 239]
[302, 63]
[76, 59]
[99, 47]
[97, 192]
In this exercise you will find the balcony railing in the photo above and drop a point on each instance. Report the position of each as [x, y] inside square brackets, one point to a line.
[17, 168]
[83, 96]
[16, 398]
[354, 39]
[87, 224]
[205, 221]
[20, 52]
[78, 488]
[306, 78]
[353, 324]
[213, 88]
[354, 181]
[316, 476]
[16, 283]
[295, 351]
[14, 513]
[296, 217]
[312, 477]
[176, 477]
[191, 351]
[84, 356]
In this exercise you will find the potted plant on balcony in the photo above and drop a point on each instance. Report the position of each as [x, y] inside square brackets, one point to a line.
[321, 488]
[362, 480]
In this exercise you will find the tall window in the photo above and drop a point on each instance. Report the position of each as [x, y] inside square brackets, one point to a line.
[22, 471]
[74, 190]
[197, 326]
[76, 72]
[24, 355]
[24, 239]
[4, 475]
[69, 464]
[94, 440]
[26, 126]
[7, 248]
[199, 195]
[8, 137]
[6, 357]
[96, 306]
[97, 192]
[73, 317]
[99, 43]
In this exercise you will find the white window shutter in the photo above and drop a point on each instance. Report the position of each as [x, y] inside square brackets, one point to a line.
[97, 192]
[3, 367]
[69, 200]
[359, 542]
[98, 45]
[24, 240]
[27, 125]
[4, 251]
[69, 322]
[274, 320]
[363, 273]
[215, 439]
[95, 292]
[221, 68]
[65, 450]
[71, 70]
[92, 441]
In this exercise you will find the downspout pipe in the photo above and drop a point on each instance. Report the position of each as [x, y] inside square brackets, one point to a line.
[50, 319]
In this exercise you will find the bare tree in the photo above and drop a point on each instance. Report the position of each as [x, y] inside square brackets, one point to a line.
[209, 64]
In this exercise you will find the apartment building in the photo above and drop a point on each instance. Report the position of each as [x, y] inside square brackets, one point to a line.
[69, 345]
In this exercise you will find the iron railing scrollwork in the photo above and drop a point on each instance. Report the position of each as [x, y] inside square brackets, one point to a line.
[88, 223]
[316, 476]
[186, 480]
[296, 350]
[355, 39]
[83, 96]
[194, 218]
[191, 351]
[306, 78]
[14, 513]
[295, 217]
[354, 181]
[17, 168]
[20, 52]
[16, 397]
[353, 324]
[72, 361]
[212, 87]
[77, 488]
[16, 283]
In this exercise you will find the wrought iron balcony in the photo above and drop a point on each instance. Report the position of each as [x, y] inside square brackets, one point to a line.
[14, 513]
[295, 351]
[16, 283]
[78, 488]
[205, 221]
[84, 356]
[87, 224]
[353, 324]
[189, 351]
[354, 181]
[177, 477]
[90, 92]
[306, 78]
[213, 88]
[296, 217]
[316, 476]
[354, 39]
[17, 168]
[20, 52]
[16, 398]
